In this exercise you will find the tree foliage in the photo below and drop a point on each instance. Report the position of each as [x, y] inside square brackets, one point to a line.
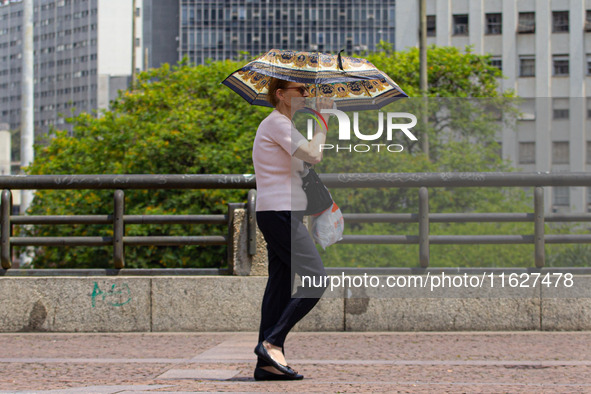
[178, 120]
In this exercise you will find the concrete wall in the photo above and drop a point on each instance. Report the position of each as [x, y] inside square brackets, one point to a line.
[232, 303]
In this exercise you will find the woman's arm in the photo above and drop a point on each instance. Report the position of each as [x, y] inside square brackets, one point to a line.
[311, 151]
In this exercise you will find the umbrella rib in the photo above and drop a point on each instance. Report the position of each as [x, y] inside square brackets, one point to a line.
[367, 92]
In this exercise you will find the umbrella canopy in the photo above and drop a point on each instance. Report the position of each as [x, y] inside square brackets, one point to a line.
[354, 84]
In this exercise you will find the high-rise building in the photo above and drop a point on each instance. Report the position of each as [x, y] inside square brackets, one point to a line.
[226, 29]
[544, 49]
[82, 57]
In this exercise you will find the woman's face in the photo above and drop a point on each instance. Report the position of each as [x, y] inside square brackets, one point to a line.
[295, 95]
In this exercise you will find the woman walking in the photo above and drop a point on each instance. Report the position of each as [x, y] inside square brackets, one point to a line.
[279, 153]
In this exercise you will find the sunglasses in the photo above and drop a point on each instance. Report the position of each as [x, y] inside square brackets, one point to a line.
[302, 89]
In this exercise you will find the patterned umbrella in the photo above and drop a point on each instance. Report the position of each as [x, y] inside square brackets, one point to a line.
[354, 84]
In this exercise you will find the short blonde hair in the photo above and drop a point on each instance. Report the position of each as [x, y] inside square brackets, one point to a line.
[274, 85]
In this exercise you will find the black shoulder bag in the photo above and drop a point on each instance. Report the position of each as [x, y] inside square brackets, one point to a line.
[319, 199]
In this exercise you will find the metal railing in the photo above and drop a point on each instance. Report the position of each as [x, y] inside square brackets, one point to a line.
[422, 181]
[119, 219]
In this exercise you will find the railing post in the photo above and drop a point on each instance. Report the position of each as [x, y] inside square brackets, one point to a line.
[118, 229]
[423, 227]
[231, 251]
[539, 252]
[252, 222]
[5, 229]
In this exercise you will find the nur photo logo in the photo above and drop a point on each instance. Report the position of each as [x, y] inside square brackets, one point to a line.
[390, 125]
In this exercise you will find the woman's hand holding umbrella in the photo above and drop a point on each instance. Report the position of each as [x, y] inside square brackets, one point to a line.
[323, 103]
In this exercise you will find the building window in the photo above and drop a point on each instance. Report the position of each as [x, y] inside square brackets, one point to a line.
[561, 114]
[431, 27]
[560, 152]
[560, 108]
[497, 62]
[588, 20]
[527, 66]
[561, 66]
[527, 22]
[560, 22]
[494, 23]
[500, 149]
[527, 153]
[561, 196]
[461, 25]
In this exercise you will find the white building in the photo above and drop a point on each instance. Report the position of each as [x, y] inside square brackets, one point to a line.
[544, 50]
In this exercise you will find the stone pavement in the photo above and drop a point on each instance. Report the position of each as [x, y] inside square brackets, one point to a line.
[484, 362]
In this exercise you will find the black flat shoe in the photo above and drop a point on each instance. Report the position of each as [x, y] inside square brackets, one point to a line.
[263, 374]
[262, 352]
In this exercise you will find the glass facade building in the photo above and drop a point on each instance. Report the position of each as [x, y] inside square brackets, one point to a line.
[228, 29]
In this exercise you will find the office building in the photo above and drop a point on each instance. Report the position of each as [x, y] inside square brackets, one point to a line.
[544, 49]
[82, 57]
[226, 29]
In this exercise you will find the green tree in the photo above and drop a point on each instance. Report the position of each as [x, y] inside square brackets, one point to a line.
[178, 120]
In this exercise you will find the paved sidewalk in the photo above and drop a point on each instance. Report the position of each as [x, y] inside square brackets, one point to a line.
[528, 362]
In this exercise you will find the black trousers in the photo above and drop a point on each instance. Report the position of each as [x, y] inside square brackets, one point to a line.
[291, 250]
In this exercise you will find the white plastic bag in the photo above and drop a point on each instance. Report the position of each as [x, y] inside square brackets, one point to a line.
[327, 227]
